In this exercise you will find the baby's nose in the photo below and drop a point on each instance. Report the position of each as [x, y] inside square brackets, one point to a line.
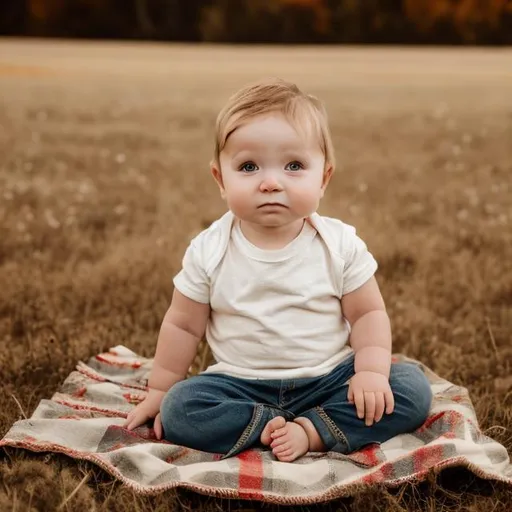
[270, 184]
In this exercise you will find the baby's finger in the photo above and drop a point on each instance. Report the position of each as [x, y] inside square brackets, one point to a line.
[157, 427]
[278, 442]
[279, 432]
[379, 405]
[359, 403]
[280, 449]
[137, 421]
[390, 402]
[350, 394]
[133, 424]
[369, 404]
[127, 420]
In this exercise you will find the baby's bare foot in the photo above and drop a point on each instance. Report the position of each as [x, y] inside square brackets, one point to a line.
[274, 424]
[289, 442]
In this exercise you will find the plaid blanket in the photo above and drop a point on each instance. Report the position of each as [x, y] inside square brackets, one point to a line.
[84, 420]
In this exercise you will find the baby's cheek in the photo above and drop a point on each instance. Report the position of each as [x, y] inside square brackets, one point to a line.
[308, 199]
[238, 202]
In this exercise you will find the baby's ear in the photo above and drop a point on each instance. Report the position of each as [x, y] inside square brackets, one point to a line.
[329, 169]
[217, 176]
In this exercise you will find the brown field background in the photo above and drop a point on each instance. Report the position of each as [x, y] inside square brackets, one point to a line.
[104, 152]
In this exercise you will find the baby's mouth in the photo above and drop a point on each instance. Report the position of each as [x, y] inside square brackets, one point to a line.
[275, 205]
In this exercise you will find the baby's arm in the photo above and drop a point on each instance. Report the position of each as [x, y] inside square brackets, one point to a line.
[182, 329]
[370, 336]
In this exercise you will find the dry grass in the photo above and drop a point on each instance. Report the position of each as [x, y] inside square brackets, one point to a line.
[103, 180]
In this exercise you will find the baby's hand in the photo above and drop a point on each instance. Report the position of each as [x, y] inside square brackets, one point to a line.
[147, 409]
[371, 393]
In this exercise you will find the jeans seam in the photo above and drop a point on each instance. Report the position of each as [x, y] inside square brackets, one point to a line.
[335, 431]
[258, 413]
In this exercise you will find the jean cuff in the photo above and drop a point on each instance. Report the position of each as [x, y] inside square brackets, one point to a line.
[251, 435]
[332, 436]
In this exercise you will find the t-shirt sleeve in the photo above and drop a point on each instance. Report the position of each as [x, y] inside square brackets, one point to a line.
[192, 280]
[360, 265]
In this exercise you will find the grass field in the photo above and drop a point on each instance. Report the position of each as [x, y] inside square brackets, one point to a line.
[104, 153]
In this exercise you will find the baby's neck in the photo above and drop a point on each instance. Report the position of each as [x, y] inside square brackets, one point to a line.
[271, 237]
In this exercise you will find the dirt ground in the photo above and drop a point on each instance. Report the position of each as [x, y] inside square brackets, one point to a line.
[104, 152]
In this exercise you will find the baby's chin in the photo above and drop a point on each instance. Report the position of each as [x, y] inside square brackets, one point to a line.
[275, 221]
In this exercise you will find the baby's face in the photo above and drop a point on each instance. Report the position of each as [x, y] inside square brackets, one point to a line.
[271, 176]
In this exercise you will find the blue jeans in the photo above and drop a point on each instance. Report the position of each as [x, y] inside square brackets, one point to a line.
[217, 413]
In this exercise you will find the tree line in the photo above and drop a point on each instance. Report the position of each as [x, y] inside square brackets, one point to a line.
[265, 21]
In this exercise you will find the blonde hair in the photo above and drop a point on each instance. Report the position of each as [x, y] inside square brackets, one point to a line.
[303, 111]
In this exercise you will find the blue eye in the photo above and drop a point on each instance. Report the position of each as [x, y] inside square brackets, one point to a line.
[294, 166]
[249, 167]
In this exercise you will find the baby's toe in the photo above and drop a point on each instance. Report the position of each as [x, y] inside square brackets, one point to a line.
[287, 456]
[281, 449]
[280, 432]
[273, 425]
[279, 441]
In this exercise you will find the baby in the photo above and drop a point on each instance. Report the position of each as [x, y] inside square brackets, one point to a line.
[287, 299]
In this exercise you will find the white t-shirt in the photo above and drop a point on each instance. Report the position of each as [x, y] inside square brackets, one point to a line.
[276, 314]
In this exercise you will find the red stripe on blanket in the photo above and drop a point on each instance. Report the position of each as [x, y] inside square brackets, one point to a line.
[92, 375]
[385, 472]
[114, 362]
[427, 457]
[369, 455]
[250, 480]
[431, 419]
[88, 407]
